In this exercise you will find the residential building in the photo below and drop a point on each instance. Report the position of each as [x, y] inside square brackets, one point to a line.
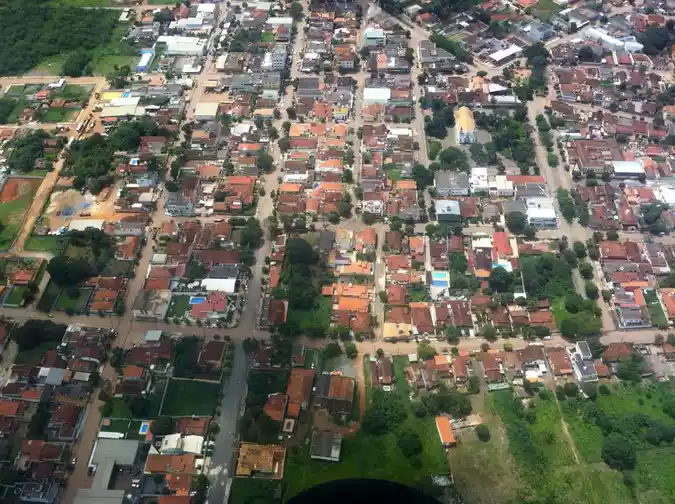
[465, 125]
[325, 446]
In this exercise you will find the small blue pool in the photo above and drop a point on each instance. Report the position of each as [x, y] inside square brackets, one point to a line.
[197, 300]
[145, 427]
[440, 279]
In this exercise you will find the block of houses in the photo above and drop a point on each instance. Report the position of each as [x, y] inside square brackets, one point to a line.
[335, 393]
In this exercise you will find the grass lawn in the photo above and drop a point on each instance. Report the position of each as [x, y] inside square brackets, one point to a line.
[189, 397]
[656, 314]
[654, 476]
[15, 91]
[51, 66]
[15, 296]
[34, 356]
[115, 425]
[178, 306]
[313, 359]
[115, 267]
[16, 112]
[65, 302]
[115, 53]
[52, 244]
[74, 92]
[11, 216]
[57, 115]
[367, 456]
[320, 314]
[559, 311]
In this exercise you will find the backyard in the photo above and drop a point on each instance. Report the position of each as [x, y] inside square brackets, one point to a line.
[75, 304]
[656, 315]
[178, 306]
[369, 456]
[130, 428]
[190, 397]
[15, 199]
[58, 115]
[49, 243]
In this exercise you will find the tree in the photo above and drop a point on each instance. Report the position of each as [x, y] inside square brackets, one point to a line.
[483, 432]
[516, 222]
[612, 235]
[292, 114]
[250, 345]
[618, 452]
[586, 270]
[386, 411]
[265, 162]
[296, 10]
[162, 426]
[65, 271]
[591, 290]
[425, 351]
[350, 350]
[409, 442]
[579, 249]
[571, 389]
[500, 280]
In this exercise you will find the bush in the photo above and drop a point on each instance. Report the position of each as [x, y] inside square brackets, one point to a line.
[386, 410]
[604, 390]
[409, 442]
[618, 452]
[419, 409]
[560, 393]
[483, 433]
[571, 389]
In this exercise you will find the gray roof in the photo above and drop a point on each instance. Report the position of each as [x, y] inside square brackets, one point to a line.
[326, 446]
[448, 179]
[585, 350]
[515, 206]
[122, 451]
[224, 271]
[531, 190]
[326, 240]
[586, 368]
[429, 52]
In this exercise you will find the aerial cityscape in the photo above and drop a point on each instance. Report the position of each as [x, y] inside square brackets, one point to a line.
[250, 248]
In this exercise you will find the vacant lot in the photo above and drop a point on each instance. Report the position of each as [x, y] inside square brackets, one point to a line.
[50, 243]
[59, 115]
[15, 199]
[77, 304]
[190, 397]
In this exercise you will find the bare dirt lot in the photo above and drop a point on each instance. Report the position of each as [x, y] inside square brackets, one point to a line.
[67, 205]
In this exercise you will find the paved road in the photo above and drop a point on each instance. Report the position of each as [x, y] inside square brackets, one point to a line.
[223, 462]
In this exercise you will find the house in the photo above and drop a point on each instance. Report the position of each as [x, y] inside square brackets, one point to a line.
[335, 393]
[448, 183]
[616, 352]
[445, 432]
[560, 361]
[325, 446]
[381, 372]
[582, 362]
[299, 390]
[275, 407]
[261, 461]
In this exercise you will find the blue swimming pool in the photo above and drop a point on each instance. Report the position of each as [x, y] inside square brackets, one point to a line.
[145, 427]
[440, 279]
[197, 300]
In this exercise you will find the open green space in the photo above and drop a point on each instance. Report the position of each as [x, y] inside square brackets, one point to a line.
[49, 243]
[74, 92]
[115, 267]
[11, 217]
[365, 455]
[190, 397]
[51, 66]
[250, 490]
[545, 9]
[319, 316]
[15, 297]
[129, 428]
[76, 304]
[58, 115]
[178, 306]
[116, 52]
[656, 314]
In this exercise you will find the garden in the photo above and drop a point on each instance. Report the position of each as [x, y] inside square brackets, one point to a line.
[190, 397]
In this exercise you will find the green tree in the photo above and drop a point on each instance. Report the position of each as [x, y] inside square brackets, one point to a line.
[409, 442]
[386, 411]
[618, 452]
[483, 432]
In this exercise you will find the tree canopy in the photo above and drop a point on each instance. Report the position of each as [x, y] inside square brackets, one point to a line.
[34, 30]
[385, 412]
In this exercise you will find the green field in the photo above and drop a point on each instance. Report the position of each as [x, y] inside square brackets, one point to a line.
[11, 217]
[115, 53]
[545, 9]
[74, 92]
[658, 318]
[50, 243]
[190, 397]
[367, 456]
[15, 297]
[178, 306]
[320, 315]
[77, 304]
[252, 490]
[115, 267]
[58, 115]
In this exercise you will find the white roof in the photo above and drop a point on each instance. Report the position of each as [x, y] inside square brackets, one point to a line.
[125, 101]
[207, 109]
[505, 53]
[376, 94]
[188, 45]
[206, 7]
[667, 195]
[126, 110]
[628, 167]
[280, 21]
[540, 208]
[145, 59]
[401, 132]
[225, 285]
[82, 224]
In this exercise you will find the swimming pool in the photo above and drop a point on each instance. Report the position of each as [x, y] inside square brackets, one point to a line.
[197, 300]
[440, 279]
[145, 427]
